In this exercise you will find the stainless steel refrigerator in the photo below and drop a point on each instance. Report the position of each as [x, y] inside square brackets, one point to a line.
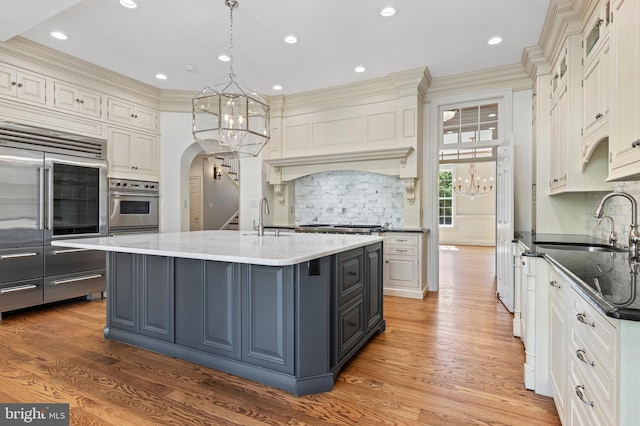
[52, 185]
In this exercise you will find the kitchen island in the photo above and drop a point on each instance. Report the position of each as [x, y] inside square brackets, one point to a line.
[287, 311]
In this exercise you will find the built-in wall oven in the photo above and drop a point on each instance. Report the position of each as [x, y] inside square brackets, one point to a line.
[133, 206]
[53, 185]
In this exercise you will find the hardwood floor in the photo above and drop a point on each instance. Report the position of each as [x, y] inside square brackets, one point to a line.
[447, 360]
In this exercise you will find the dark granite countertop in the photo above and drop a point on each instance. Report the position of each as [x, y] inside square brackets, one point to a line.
[605, 277]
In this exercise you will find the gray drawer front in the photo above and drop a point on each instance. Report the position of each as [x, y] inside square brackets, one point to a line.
[63, 260]
[350, 327]
[19, 264]
[20, 294]
[74, 285]
[350, 266]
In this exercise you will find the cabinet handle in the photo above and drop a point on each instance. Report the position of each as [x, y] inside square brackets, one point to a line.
[600, 21]
[352, 324]
[554, 283]
[635, 143]
[580, 353]
[580, 393]
[13, 83]
[386, 261]
[598, 116]
[73, 280]
[353, 274]
[555, 180]
[18, 288]
[402, 240]
[401, 250]
[56, 252]
[17, 255]
[19, 84]
[581, 317]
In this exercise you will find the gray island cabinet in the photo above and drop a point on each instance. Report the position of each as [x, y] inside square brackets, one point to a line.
[285, 311]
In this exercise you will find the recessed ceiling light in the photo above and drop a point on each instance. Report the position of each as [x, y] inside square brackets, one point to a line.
[495, 40]
[388, 11]
[360, 68]
[291, 39]
[129, 4]
[277, 87]
[224, 58]
[161, 76]
[59, 35]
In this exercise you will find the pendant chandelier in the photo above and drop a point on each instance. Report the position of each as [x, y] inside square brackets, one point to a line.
[472, 187]
[230, 120]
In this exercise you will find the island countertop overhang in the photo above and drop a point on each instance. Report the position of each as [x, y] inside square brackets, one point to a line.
[228, 246]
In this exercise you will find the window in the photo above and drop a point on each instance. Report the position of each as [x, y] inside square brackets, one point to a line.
[445, 197]
[476, 123]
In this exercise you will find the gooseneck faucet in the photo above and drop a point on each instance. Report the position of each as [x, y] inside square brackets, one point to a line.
[634, 237]
[264, 209]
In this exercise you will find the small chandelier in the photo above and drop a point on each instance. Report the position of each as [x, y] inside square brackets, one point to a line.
[472, 187]
[229, 119]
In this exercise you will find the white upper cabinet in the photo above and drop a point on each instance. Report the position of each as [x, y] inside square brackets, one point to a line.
[132, 155]
[22, 85]
[123, 112]
[624, 143]
[75, 99]
[595, 79]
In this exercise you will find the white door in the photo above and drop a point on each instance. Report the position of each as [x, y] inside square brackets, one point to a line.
[504, 224]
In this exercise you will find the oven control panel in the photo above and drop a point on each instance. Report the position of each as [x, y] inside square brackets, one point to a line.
[133, 185]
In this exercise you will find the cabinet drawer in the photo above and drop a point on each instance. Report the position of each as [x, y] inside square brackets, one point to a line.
[593, 369]
[74, 285]
[409, 240]
[350, 269]
[60, 260]
[599, 333]
[402, 250]
[18, 264]
[350, 326]
[586, 400]
[20, 294]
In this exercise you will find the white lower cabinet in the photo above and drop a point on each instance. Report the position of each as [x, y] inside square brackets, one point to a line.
[593, 368]
[558, 301]
[405, 270]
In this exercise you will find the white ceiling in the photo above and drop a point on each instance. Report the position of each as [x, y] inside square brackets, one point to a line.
[162, 36]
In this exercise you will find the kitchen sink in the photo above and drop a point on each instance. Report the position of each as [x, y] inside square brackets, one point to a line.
[582, 247]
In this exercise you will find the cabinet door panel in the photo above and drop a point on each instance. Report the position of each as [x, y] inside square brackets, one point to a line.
[208, 306]
[402, 271]
[122, 301]
[120, 145]
[267, 317]
[7, 81]
[119, 112]
[157, 297]
[350, 270]
[350, 327]
[145, 158]
[65, 97]
[31, 87]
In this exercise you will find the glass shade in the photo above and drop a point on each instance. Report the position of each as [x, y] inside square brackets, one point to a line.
[230, 121]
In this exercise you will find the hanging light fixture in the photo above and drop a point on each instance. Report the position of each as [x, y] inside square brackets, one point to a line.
[472, 187]
[229, 119]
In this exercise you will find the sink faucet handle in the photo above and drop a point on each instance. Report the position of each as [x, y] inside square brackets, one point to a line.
[613, 237]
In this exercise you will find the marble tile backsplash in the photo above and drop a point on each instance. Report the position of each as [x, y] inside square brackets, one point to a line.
[618, 208]
[349, 197]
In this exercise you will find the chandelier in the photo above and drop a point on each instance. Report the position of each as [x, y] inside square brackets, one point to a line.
[229, 119]
[472, 187]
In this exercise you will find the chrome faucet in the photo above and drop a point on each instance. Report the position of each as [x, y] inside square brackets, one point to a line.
[613, 237]
[634, 237]
[264, 209]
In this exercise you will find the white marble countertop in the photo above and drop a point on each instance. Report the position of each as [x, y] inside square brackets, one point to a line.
[228, 246]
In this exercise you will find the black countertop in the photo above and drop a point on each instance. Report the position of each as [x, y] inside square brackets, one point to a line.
[607, 278]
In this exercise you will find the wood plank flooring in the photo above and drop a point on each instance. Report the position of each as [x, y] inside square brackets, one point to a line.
[447, 360]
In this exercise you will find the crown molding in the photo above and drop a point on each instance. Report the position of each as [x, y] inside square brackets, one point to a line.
[176, 100]
[534, 62]
[512, 76]
[36, 57]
